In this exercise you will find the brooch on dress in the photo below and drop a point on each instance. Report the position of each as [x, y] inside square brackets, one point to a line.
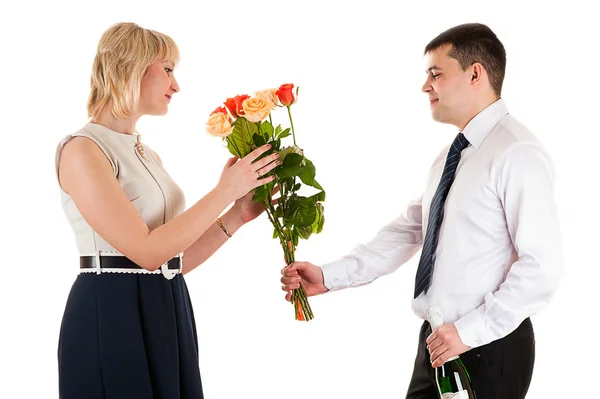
[139, 147]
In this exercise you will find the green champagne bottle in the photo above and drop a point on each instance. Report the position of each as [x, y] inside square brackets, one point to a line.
[452, 378]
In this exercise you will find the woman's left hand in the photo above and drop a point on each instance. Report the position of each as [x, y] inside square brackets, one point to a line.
[249, 210]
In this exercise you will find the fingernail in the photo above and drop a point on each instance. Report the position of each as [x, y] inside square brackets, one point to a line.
[277, 162]
[268, 146]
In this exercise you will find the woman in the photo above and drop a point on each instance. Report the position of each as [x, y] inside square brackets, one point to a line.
[128, 329]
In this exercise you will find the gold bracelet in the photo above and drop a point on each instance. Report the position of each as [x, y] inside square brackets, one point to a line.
[223, 227]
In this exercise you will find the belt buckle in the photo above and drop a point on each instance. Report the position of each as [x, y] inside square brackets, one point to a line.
[166, 272]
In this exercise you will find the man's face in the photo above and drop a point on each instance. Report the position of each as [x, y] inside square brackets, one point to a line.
[448, 87]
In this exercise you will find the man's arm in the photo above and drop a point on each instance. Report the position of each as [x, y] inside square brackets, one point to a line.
[525, 186]
[393, 246]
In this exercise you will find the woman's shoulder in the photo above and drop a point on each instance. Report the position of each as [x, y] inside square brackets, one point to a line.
[84, 142]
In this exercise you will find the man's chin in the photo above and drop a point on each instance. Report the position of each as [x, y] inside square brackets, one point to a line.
[437, 117]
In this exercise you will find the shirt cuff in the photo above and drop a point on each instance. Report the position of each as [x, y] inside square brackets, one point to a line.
[471, 329]
[335, 274]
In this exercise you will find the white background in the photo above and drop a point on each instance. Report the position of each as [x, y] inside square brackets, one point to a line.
[362, 120]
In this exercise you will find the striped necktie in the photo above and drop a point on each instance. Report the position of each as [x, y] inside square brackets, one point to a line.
[425, 269]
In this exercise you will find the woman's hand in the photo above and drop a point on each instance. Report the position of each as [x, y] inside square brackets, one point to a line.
[241, 177]
[248, 210]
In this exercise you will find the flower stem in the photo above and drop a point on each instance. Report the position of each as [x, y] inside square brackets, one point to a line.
[291, 123]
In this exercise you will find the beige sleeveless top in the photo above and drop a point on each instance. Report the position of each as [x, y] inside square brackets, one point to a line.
[155, 196]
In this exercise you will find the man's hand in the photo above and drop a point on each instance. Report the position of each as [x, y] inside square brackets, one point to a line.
[444, 343]
[310, 275]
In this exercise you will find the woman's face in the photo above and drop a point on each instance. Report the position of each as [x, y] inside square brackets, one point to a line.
[157, 88]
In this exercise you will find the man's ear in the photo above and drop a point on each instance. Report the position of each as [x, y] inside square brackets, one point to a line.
[476, 71]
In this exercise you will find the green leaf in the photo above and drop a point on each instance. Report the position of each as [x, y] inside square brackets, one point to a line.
[292, 204]
[317, 225]
[305, 232]
[287, 183]
[275, 145]
[292, 159]
[275, 233]
[258, 140]
[289, 172]
[232, 149]
[260, 193]
[284, 133]
[297, 186]
[242, 135]
[307, 175]
[278, 212]
[267, 129]
[290, 166]
[304, 213]
[320, 225]
[320, 196]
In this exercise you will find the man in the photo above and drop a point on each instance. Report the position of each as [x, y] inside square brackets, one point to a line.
[486, 223]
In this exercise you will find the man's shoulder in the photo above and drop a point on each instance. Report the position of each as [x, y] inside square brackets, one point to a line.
[516, 132]
[513, 140]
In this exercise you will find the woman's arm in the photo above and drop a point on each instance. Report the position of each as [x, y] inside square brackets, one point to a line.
[87, 176]
[211, 241]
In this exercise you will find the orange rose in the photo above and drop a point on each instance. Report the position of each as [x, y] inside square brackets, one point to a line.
[257, 108]
[286, 97]
[219, 123]
[269, 94]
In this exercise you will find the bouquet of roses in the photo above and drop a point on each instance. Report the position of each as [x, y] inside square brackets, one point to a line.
[245, 123]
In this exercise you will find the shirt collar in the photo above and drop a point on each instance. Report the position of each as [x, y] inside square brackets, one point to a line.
[481, 125]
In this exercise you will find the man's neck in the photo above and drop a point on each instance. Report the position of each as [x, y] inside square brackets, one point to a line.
[476, 109]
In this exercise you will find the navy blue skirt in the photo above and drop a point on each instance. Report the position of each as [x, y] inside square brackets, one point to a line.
[126, 336]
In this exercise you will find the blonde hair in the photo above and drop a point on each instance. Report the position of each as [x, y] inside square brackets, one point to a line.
[124, 53]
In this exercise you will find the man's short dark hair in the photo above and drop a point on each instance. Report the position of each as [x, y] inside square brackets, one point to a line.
[473, 43]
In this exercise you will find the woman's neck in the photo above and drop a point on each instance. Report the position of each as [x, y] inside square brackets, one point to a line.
[108, 120]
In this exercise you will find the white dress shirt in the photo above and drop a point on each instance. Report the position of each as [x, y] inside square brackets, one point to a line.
[499, 253]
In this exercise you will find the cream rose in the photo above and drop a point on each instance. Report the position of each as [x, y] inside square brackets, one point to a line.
[218, 125]
[257, 108]
[269, 94]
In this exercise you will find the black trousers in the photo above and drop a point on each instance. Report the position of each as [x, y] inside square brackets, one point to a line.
[501, 369]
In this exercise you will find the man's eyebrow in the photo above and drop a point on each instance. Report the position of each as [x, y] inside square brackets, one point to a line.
[432, 68]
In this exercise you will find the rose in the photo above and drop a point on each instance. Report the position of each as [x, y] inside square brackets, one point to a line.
[269, 94]
[285, 95]
[234, 105]
[219, 123]
[257, 108]
[219, 109]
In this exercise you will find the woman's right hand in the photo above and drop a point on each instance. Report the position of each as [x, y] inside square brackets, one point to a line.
[240, 177]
